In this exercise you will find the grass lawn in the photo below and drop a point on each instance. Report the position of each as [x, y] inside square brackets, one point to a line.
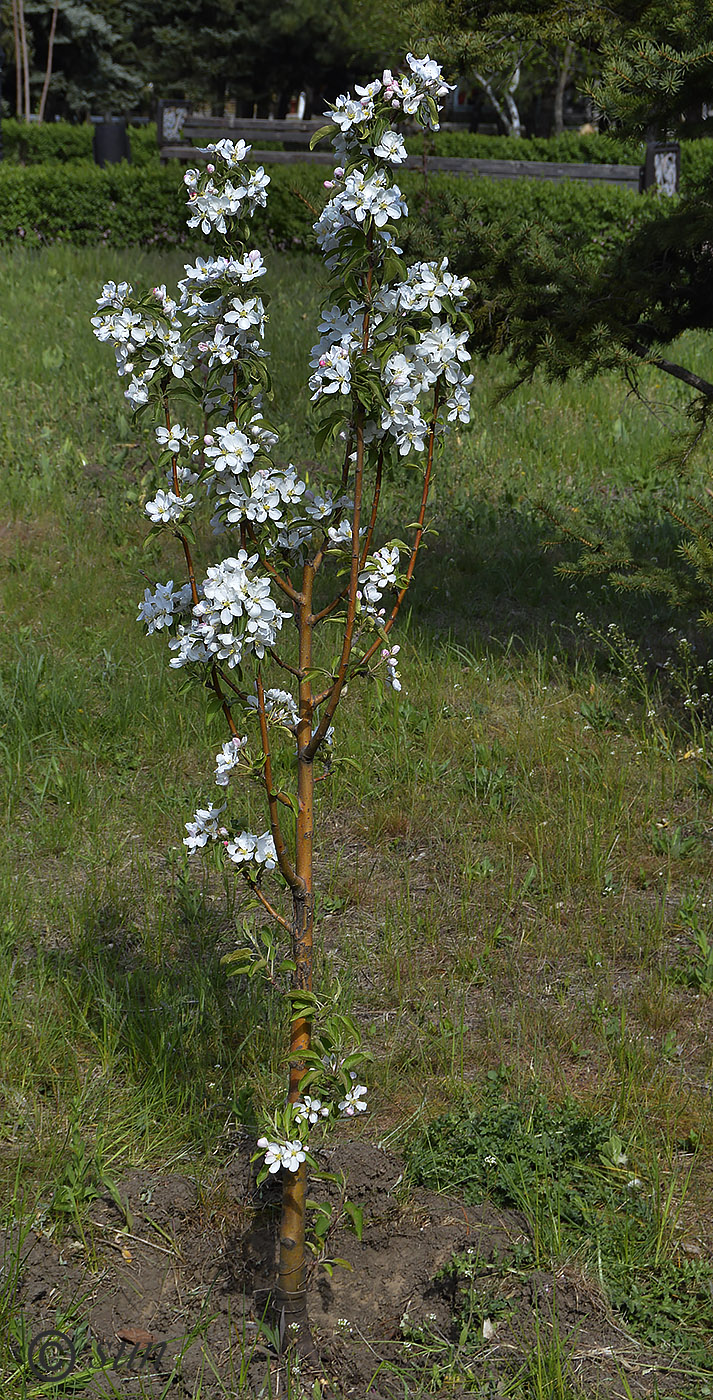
[515, 886]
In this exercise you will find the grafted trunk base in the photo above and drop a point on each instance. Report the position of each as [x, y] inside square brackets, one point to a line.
[290, 1310]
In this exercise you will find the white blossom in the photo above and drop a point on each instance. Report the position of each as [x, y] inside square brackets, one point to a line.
[233, 153]
[309, 1110]
[167, 509]
[280, 706]
[282, 1154]
[233, 450]
[228, 759]
[247, 848]
[204, 828]
[157, 608]
[354, 1101]
[392, 148]
[389, 655]
[379, 572]
[175, 438]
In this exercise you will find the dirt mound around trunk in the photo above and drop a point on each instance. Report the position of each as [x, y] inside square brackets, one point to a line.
[173, 1291]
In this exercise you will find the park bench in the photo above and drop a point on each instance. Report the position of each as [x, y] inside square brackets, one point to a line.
[180, 132]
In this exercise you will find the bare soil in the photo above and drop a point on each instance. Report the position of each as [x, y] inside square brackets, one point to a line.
[194, 1269]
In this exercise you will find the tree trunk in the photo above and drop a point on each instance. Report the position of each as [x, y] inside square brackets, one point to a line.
[511, 89]
[18, 60]
[562, 80]
[25, 61]
[292, 1282]
[507, 110]
[48, 70]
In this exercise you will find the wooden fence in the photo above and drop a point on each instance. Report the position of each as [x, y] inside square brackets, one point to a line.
[177, 129]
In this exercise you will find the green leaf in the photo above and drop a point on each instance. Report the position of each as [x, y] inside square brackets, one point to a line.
[356, 1215]
[318, 136]
[238, 955]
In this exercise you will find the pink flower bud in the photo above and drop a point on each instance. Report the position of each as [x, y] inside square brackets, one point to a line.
[328, 184]
[209, 439]
[339, 171]
[210, 169]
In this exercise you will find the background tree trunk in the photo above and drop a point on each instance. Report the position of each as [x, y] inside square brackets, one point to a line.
[562, 80]
[25, 60]
[18, 60]
[48, 70]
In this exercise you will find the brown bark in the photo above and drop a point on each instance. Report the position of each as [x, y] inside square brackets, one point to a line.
[562, 80]
[25, 60]
[18, 60]
[291, 1289]
[48, 69]
[687, 376]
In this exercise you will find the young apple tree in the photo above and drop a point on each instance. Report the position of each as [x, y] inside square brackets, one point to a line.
[269, 559]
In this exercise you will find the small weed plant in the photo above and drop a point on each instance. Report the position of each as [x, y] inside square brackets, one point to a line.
[696, 969]
[573, 1178]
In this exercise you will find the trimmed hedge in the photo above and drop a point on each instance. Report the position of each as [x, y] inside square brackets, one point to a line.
[85, 205]
[595, 148]
[124, 205]
[459, 214]
[37, 143]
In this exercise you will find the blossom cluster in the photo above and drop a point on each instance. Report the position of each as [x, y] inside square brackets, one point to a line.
[212, 201]
[225, 324]
[425, 301]
[289, 1153]
[413, 94]
[245, 849]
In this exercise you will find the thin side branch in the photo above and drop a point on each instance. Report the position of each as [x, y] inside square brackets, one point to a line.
[319, 556]
[343, 668]
[215, 682]
[266, 903]
[281, 582]
[283, 859]
[419, 531]
[325, 612]
[293, 670]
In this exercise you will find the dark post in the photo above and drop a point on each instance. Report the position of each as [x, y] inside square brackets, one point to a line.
[111, 141]
[2, 59]
[662, 170]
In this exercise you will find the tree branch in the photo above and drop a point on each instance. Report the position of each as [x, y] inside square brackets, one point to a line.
[272, 796]
[325, 612]
[419, 530]
[324, 723]
[265, 902]
[281, 582]
[702, 386]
